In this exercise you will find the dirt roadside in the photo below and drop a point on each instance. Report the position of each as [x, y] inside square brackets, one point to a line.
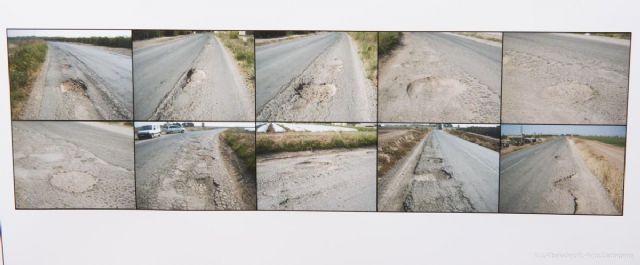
[606, 162]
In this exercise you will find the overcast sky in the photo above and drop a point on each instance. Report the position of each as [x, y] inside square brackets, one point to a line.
[208, 124]
[586, 130]
[68, 33]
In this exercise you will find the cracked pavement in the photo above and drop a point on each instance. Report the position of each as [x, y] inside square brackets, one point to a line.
[190, 171]
[442, 174]
[551, 178]
[73, 165]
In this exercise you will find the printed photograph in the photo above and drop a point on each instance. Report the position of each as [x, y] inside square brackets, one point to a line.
[193, 75]
[440, 77]
[195, 165]
[73, 165]
[70, 74]
[562, 169]
[566, 78]
[316, 76]
[316, 167]
[438, 167]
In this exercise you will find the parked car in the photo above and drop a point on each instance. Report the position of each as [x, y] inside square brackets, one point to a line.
[149, 131]
[175, 129]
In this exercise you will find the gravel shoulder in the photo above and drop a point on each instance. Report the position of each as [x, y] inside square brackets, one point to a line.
[63, 165]
[332, 180]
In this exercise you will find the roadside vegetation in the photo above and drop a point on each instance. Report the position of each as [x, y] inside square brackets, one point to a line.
[368, 51]
[612, 140]
[150, 34]
[617, 35]
[490, 36]
[479, 139]
[387, 42]
[609, 173]
[394, 145]
[265, 34]
[113, 42]
[306, 141]
[25, 59]
[242, 48]
[243, 145]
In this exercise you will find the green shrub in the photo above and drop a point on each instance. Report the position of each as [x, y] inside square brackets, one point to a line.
[24, 61]
[388, 41]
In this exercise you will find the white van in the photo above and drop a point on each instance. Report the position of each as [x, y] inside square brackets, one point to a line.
[149, 131]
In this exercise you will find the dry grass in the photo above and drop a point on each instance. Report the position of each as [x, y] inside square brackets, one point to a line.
[395, 144]
[243, 51]
[487, 142]
[482, 35]
[243, 145]
[305, 141]
[25, 60]
[611, 176]
[368, 51]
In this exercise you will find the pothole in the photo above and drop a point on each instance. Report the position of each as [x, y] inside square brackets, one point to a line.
[191, 76]
[315, 92]
[74, 85]
[569, 91]
[444, 173]
[436, 160]
[431, 86]
[66, 66]
[73, 181]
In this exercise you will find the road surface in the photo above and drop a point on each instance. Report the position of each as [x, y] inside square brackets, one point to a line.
[443, 174]
[334, 180]
[441, 77]
[189, 77]
[550, 178]
[73, 165]
[189, 172]
[105, 73]
[565, 79]
[318, 77]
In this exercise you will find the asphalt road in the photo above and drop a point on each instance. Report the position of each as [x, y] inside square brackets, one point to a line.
[443, 174]
[73, 165]
[188, 172]
[278, 64]
[189, 77]
[550, 178]
[106, 74]
[442, 77]
[334, 180]
[565, 79]
[317, 77]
